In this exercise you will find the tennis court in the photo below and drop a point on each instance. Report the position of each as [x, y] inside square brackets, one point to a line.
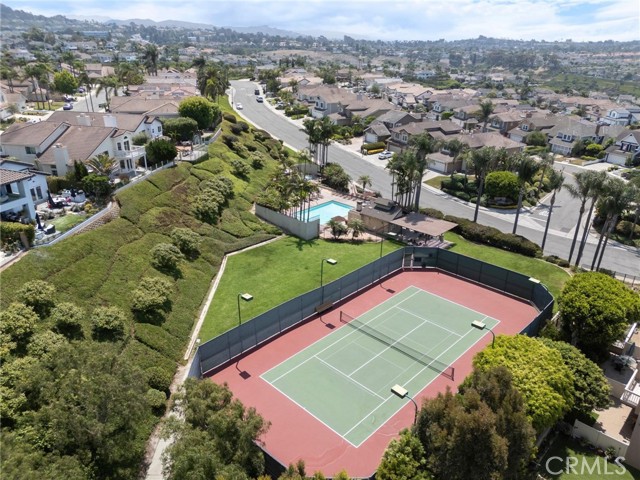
[344, 379]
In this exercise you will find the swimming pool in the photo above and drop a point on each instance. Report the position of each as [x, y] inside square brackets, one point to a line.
[326, 211]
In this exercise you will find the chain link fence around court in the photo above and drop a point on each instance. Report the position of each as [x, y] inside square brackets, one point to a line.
[229, 345]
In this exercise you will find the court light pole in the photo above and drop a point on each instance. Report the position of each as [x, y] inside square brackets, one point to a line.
[247, 297]
[402, 392]
[481, 326]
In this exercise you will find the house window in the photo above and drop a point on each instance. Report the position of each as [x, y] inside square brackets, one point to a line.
[30, 150]
[122, 164]
[525, 128]
[566, 138]
[39, 192]
[127, 145]
[54, 171]
[405, 137]
[119, 146]
[33, 194]
[159, 130]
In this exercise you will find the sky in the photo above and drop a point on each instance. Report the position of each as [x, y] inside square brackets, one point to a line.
[579, 20]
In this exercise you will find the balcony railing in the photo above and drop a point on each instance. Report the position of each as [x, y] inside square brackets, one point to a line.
[134, 153]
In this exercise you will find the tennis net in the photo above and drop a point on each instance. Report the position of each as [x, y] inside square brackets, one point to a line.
[427, 361]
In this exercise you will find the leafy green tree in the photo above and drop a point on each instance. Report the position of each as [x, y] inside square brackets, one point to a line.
[482, 161]
[68, 319]
[65, 82]
[335, 177]
[502, 184]
[595, 311]
[152, 295]
[45, 344]
[240, 168]
[180, 129]
[186, 240]
[539, 373]
[165, 256]
[590, 385]
[536, 138]
[218, 435]
[107, 323]
[160, 151]
[404, 459]
[337, 228]
[484, 114]
[199, 109]
[18, 321]
[97, 185]
[38, 295]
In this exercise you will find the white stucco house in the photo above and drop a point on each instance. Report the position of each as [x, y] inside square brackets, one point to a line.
[21, 189]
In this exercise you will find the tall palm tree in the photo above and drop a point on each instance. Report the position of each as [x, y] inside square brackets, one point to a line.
[31, 73]
[365, 181]
[482, 160]
[103, 164]
[556, 180]
[9, 74]
[597, 181]
[402, 167]
[150, 59]
[636, 200]
[581, 191]
[84, 79]
[527, 168]
[484, 114]
[108, 84]
[546, 161]
[313, 137]
[423, 144]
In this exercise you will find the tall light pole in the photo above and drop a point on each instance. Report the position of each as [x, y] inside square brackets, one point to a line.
[247, 297]
[402, 392]
[330, 261]
[481, 326]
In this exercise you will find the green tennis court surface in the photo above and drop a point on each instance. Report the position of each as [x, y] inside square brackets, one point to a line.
[344, 379]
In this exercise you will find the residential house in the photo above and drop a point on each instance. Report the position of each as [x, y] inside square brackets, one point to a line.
[10, 101]
[477, 140]
[405, 95]
[326, 100]
[444, 163]
[379, 129]
[626, 147]
[401, 136]
[21, 189]
[143, 105]
[564, 135]
[364, 107]
[539, 122]
[506, 121]
[617, 116]
[443, 106]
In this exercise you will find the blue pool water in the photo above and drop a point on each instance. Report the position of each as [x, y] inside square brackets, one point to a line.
[326, 211]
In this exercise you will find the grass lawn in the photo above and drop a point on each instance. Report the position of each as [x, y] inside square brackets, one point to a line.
[279, 271]
[586, 468]
[551, 275]
[435, 181]
[67, 222]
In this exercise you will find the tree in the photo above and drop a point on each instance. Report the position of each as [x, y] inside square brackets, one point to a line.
[38, 295]
[536, 139]
[357, 227]
[44, 345]
[64, 82]
[103, 164]
[538, 373]
[424, 144]
[365, 181]
[482, 160]
[484, 114]
[502, 184]
[556, 180]
[199, 109]
[404, 459]
[18, 322]
[527, 168]
[597, 182]
[152, 295]
[581, 191]
[160, 151]
[165, 256]
[180, 129]
[68, 319]
[591, 389]
[336, 178]
[150, 59]
[97, 185]
[186, 240]
[595, 311]
[107, 323]
[337, 228]
[218, 435]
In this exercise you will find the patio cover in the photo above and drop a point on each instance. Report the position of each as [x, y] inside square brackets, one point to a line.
[424, 224]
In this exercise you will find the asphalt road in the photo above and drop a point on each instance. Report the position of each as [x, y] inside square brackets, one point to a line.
[619, 258]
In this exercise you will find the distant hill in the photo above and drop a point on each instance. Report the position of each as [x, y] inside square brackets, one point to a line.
[165, 23]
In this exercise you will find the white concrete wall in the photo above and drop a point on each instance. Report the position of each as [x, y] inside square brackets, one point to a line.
[304, 230]
[598, 438]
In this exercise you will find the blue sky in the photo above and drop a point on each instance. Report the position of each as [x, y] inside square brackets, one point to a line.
[579, 20]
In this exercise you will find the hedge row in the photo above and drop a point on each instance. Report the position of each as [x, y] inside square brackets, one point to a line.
[10, 232]
[374, 146]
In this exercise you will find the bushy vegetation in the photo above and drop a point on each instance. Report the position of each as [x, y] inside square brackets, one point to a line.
[10, 233]
[335, 177]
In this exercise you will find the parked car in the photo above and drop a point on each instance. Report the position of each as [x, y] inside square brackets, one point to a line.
[385, 155]
[81, 90]
[259, 99]
[67, 106]
[256, 91]
[238, 106]
[69, 99]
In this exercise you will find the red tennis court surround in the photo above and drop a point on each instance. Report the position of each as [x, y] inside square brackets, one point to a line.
[295, 434]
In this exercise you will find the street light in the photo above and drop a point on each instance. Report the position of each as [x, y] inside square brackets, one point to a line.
[247, 297]
[481, 326]
[402, 392]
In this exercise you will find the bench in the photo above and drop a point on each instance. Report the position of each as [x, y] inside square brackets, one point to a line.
[323, 307]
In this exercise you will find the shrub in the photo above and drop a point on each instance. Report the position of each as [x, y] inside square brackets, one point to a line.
[10, 233]
[229, 140]
[374, 146]
[44, 344]
[335, 177]
[18, 322]
[200, 109]
[557, 261]
[160, 151]
[432, 212]
[157, 400]
[186, 240]
[107, 323]
[244, 126]
[56, 184]
[67, 319]
[152, 295]
[261, 135]
[140, 139]
[159, 378]
[38, 295]
[165, 256]
[624, 228]
[236, 129]
[240, 168]
[182, 128]
[502, 184]
[229, 117]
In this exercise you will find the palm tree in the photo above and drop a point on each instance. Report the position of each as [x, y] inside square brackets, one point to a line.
[485, 112]
[597, 181]
[581, 190]
[9, 74]
[546, 161]
[556, 180]
[313, 136]
[107, 84]
[337, 228]
[150, 59]
[83, 79]
[617, 197]
[527, 168]
[636, 200]
[357, 227]
[423, 144]
[31, 73]
[365, 181]
[402, 167]
[103, 164]
[482, 160]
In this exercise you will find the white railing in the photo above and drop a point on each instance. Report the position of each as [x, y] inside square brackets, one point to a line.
[630, 398]
[135, 152]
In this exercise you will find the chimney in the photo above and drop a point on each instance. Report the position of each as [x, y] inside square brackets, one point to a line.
[359, 96]
[84, 120]
[61, 157]
[110, 121]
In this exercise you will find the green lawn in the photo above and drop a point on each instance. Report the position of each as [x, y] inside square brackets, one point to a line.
[435, 181]
[586, 467]
[551, 275]
[67, 222]
[279, 271]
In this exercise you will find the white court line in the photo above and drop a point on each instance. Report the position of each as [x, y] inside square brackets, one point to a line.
[349, 377]
[420, 372]
[428, 321]
[451, 301]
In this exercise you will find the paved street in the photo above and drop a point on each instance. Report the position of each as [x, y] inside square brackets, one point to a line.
[619, 258]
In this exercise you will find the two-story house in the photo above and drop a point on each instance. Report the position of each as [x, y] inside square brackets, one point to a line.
[564, 135]
[326, 100]
[21, 189]
[626, 148]
[617, 116]
[380, 129]
[401, 136]
[504, 122]
[540, 122]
